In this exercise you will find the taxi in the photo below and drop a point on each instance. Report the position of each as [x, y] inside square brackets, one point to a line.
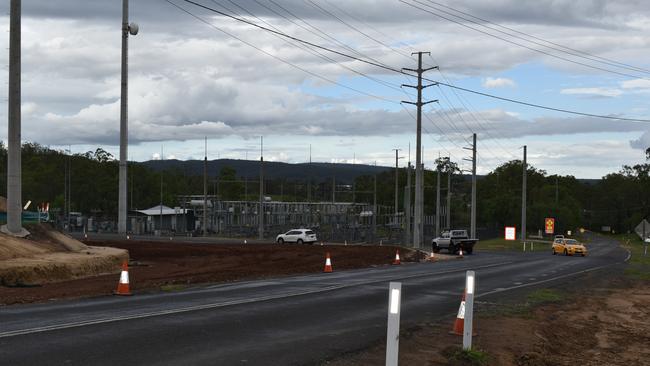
[568, 247]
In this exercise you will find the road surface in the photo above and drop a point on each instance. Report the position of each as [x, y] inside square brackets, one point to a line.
[301, 320]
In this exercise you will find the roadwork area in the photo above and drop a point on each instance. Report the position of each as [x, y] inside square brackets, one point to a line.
[603, 326]
[172, 266]
[47, 256]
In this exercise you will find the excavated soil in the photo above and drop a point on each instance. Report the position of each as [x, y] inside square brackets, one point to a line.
[47, 255]
[604, 326]
[171, 265]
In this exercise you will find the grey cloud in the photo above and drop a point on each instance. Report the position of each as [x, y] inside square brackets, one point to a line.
[642, 143]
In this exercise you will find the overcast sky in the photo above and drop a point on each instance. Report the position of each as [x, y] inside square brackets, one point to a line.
[190, 78]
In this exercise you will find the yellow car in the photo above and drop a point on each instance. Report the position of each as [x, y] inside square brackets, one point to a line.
[568, 247]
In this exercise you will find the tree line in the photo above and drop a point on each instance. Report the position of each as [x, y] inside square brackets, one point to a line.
[619, 200]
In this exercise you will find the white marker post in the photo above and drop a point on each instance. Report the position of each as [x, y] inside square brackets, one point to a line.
[392, 336]
[469, 310]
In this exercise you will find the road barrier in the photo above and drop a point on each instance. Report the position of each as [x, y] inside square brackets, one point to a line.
[392, 332]
[469, 309]
[328, 263]
[463, 325]
[459, 323]
[397, 261]
[123, 284]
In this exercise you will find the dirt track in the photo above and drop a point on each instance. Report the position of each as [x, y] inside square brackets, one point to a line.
[156, 265]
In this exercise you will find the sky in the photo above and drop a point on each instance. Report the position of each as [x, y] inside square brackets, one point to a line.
[195, 74]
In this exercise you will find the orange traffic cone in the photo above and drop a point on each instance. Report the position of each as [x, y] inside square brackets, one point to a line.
[460, 252]
[397, 261]
[328, 263]
[459, 324]
[123, 285]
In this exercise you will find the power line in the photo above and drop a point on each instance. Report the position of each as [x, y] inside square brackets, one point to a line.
[516, 43]
[559, 47]
[276, 57]
[534, 105]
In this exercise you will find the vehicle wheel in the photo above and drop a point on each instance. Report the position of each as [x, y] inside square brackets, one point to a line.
[469, 250]
[434, 248]
[452, 249]
[583, 254]
[566, 252]
[554, 252]
[299, 241]
[280, 241]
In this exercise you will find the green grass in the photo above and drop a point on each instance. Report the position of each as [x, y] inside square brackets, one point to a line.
[545, 296]
[458, 356]
[639, 266]
[501, 244]
[523, 309]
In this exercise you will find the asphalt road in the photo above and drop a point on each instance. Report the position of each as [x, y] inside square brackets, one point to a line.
[300, 320]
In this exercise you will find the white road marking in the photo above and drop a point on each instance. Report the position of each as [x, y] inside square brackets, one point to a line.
[186, 309]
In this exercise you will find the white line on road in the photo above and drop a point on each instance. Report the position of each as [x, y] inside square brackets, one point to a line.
[84, 323]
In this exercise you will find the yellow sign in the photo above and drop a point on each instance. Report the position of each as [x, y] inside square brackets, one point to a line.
[549, 225]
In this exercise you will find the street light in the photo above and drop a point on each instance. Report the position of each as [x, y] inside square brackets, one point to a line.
[127, 29]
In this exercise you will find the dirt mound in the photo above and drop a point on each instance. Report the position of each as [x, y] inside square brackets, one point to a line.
[42, 240]
[54, 267]
[49, 256]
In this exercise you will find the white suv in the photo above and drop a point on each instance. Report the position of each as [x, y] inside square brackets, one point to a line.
[298, 236]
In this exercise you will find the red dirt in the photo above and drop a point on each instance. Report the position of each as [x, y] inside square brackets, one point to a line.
[606, 327]
[155, 264]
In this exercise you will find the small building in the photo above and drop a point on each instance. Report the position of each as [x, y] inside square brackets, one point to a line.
[162, 219]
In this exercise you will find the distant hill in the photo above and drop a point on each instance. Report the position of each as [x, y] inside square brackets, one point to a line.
[344, 173]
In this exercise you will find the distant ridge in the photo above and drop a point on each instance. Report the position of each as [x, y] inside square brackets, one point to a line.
[344, 173]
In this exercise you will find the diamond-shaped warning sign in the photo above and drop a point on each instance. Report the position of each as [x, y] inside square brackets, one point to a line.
[643, 229]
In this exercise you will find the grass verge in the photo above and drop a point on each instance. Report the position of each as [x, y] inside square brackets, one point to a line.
[522, 309]
[639, 266]
[501, 244]
[460, 357]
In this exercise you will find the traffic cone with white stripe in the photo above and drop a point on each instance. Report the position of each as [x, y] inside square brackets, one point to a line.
[460, 253]
[397, 261]
[123, 285]
[459, 324]
[328, 263]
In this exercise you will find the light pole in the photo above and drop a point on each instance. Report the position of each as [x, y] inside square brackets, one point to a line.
[124, 125]
[14, 188]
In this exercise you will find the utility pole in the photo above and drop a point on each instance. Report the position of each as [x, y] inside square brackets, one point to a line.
[473, 207]
[438, 202]
[448, 223]
[523, 196]
[14, 175]
[310, 174]
[124, 125]
[374, 211]
[407, 206]
[419, 199]
[261, 209]
[396, 183]
[161, 189]
[473, 218]
[557, 194]
[205, 189]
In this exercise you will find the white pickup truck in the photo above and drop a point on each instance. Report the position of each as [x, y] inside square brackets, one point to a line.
[453, 241]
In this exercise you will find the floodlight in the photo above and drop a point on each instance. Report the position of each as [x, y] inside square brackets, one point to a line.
[133, 28]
